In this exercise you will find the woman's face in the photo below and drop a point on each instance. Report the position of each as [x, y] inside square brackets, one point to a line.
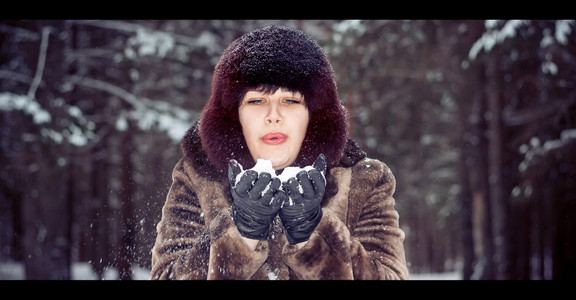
[274, 125]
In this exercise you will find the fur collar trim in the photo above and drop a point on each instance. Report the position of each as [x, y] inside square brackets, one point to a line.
[194, 151]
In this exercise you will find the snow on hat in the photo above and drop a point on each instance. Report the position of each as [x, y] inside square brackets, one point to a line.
[278, 56]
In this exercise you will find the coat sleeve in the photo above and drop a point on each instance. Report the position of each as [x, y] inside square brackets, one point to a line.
[372, 248]
[197, 239]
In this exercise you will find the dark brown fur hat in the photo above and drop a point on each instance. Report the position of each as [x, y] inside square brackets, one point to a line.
[281, 57]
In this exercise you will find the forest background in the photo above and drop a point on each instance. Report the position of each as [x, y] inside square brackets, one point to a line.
[476, 119]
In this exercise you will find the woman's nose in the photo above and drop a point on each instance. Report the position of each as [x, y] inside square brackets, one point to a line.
[274, 115]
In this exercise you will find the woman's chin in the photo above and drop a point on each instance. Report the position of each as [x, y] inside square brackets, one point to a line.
[278, 164]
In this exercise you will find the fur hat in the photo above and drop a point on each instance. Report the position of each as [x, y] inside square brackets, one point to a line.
[281, 57]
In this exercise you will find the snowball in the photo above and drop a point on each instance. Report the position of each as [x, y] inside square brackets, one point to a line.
[290, 172]
[264, 165]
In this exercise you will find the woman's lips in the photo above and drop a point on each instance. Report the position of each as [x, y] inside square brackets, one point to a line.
[274, 138]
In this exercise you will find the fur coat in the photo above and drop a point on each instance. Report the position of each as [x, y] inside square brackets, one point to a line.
[358, 237]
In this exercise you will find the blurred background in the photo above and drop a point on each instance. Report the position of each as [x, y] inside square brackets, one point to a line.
[476, 119]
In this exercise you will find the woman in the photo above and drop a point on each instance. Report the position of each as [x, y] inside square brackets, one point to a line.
[274, 98]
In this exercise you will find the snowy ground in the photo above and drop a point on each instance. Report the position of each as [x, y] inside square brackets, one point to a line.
[83, 271]
[437, 276]
[80, 271]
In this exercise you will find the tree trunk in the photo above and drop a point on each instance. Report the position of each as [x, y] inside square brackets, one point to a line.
[498, 202]
[47, 238]
[128, 227]
[466, 202]
[99, 212]
[478, 171]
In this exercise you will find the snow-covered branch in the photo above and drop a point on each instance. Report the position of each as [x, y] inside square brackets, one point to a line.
[109, 88]
[26, 104]
[147, 114]
[535, 148]
[77, 135]
[15, 76]
[495, 36]
[514, 117]
[22, 33]
[162, 40]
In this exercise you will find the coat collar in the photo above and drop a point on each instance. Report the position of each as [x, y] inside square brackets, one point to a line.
[194, 152]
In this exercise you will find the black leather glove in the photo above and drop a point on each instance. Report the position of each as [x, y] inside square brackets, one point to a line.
[301, 215]
[254, 206]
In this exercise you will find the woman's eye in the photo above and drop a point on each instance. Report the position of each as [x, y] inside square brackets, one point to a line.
[256, 101]
[292, 101]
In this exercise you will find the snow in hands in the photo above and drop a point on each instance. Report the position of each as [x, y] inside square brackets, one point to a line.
[264, 165]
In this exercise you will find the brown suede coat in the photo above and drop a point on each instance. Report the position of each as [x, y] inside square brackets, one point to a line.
[358, 237]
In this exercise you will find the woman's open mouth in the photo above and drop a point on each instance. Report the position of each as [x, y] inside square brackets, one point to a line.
[274, 138]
